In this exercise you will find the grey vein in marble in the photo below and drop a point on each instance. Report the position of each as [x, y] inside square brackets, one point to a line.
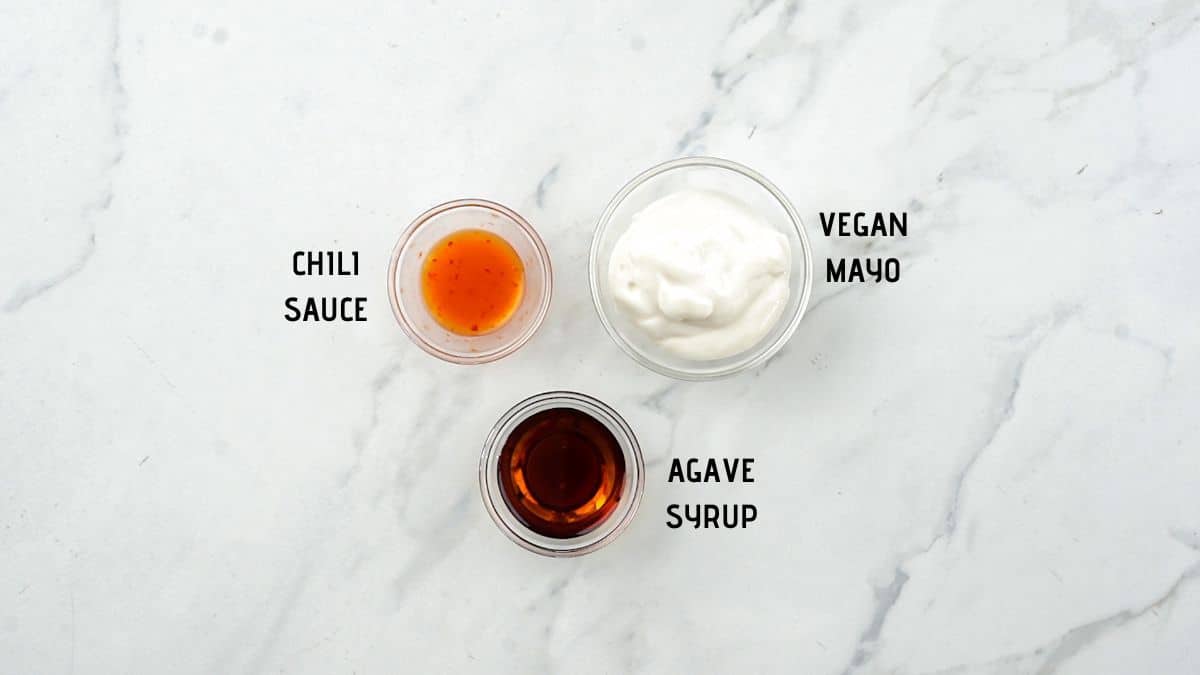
[887, 597]
[1049, 658]
[30, 290]
[544, 184]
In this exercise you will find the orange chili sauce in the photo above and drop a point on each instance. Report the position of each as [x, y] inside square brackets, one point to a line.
[472, 282]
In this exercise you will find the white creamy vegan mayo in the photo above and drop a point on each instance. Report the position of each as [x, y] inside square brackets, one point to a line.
[701, 273]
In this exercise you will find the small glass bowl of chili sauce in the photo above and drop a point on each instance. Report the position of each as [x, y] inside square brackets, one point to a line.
[561, 474]
[470, 281]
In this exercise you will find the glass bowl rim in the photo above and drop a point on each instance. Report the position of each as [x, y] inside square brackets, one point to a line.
[756, 358]
[543, 256]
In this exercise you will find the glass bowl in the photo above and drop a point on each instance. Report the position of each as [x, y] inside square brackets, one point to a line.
[493, 493]
[404, 281]
[709, 173]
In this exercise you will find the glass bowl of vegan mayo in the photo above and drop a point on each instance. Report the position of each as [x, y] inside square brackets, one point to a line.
[700, 268]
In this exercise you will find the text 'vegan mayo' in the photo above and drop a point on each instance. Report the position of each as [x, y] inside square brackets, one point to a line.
[701, 273]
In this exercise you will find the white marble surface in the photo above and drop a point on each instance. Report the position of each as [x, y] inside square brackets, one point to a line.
[991, 467]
